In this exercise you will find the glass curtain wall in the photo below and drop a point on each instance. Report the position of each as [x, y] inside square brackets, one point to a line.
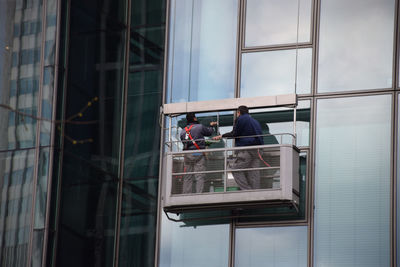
[101, 202]
[142, 141]
[352, 181]
[91, 134]
[27, 65]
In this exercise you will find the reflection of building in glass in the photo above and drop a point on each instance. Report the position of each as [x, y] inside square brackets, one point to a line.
[84, 131]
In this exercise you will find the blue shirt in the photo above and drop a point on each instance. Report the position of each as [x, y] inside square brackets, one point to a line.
[245, 125]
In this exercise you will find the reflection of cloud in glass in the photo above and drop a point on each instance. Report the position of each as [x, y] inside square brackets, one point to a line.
[271, 22]
[356, 45]
[273, 73]
[194, 247]
[352, 181]
[203, 49]
[271, 246]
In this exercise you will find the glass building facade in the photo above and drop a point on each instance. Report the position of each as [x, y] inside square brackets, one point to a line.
[82, 89]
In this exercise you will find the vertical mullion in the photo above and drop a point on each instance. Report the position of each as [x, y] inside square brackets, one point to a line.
[312, 183]
[162, 120]
[314, 85]
[38, 126]
[395, 81]
[396, 47]
[232, 237]
[65, 51]
[240, 43]
[52, 133]
[123, 135]
[393, 183]
[395, 192]
[315, 46]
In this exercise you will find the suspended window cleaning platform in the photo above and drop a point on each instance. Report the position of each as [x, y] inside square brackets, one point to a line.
[214, 182]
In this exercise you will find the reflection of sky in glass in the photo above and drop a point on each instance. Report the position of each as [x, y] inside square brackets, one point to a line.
[273, 73]
[352, 181]
[356, 45]
[195, 247]
[271, 246]
[271, 22]
[202, 50]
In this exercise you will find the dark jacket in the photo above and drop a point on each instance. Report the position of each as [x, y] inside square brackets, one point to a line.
[245, 125]
[197, 132]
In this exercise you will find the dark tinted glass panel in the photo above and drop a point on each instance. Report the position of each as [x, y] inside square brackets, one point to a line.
[87, 215]
[356, 45]
[16, 179]
[142, 142]
[352, 181]
[20, 42]
[92, 134]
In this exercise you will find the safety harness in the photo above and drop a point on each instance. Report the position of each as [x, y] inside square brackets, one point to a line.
[190, 136]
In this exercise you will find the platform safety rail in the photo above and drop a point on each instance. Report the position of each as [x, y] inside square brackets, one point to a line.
[223, 176]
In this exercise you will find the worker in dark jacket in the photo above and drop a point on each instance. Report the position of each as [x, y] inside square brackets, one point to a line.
[192, 137]
[247, 132]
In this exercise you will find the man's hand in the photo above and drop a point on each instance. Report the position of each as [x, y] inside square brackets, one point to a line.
[218, 137]
[213, 123]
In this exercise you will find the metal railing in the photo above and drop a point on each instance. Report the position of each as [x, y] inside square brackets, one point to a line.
[221, 168]
[269, 139]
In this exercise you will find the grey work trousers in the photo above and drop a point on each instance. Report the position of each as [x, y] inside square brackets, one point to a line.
[246, 159]
[194, 163]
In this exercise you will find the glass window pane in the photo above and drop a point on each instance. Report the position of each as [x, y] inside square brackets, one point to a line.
[202, 50]
[92, 138]
[280, 120]
[200, 246]
[271, 22]
[87, 215]
[273, 73]
[47, 105]
[20, 42]
[142, 147]
[41, 189]
[271, 246]
[352, 182]
[37, 248]
[16, 179]
[355, 52]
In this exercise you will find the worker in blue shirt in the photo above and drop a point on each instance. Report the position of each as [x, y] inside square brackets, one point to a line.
[247, 132]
